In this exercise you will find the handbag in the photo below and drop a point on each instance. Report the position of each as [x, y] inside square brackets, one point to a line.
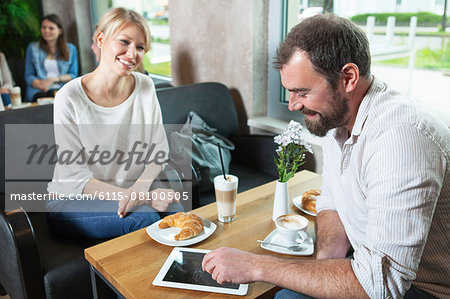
[198, 141]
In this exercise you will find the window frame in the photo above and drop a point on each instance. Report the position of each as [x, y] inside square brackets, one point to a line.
[277, 105]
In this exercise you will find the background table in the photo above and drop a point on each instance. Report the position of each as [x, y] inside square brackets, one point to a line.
[131, 262]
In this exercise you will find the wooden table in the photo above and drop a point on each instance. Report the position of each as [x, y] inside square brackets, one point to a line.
[130, 263]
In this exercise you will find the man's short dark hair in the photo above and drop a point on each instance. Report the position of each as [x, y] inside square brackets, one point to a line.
[329, 42]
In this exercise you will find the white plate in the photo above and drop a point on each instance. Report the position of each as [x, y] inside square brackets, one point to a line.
[23, 105]
[45, 101]
[273, 237]
[298, 203]
[166, 235]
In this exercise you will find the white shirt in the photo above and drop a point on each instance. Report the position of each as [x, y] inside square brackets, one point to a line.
[390, 184]
[51, 67]
[81, 126]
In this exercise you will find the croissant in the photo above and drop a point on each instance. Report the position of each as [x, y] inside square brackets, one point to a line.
[309, 200]
[191, 225]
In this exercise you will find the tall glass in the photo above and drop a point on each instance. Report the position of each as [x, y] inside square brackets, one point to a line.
[226, 191]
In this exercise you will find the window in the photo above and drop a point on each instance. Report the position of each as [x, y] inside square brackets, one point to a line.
[156, 13]
[283, 16]
[392, 71]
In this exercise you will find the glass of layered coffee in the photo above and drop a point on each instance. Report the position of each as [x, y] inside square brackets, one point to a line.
[226, 191]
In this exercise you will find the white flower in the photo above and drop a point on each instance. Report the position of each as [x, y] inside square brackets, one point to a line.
[291, 150]
[295, 133]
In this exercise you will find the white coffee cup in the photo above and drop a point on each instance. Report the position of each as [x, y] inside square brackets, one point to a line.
[15, 95]
[226, 192]
[292, 229]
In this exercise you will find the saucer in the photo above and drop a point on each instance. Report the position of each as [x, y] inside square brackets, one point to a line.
[45, 101]
[274, 237]
[166, 236]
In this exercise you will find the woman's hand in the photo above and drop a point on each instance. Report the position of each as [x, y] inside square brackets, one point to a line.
[159, 199]
[129, 200]
[4, 90]
[44, 85]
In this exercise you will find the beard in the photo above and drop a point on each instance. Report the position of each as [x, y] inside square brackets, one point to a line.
[337, 117]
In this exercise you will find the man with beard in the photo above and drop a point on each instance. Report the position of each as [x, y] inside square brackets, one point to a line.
[386, 187]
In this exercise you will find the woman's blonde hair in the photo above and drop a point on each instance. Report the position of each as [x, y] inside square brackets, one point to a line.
[115, 18]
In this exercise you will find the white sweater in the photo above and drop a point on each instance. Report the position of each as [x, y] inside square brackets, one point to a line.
[95, 141]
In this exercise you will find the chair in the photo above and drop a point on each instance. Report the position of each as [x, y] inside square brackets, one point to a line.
[35, 263]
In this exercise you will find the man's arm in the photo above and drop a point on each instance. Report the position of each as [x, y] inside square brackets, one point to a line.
[332, 241]
[321, 279]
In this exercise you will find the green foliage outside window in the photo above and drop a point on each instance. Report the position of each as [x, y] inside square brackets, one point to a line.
[19, 25]
[427, 58]
[162, 69]
[423, 18]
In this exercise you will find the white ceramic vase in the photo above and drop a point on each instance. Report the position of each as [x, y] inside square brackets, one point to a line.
[281, 200]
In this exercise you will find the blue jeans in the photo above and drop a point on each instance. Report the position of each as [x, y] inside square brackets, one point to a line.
[6, 99]
[99, 219]
[288, 294]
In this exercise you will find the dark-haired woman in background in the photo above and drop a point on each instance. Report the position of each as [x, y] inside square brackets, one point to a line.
[49, 62]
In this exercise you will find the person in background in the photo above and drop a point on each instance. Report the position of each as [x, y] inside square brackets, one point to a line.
[6, 81]
[50, 62]
[114, 112]
[386, 179]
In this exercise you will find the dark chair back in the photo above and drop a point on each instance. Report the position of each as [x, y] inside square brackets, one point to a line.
[33, 115]
[24, 279]
[16, 232]
[212, 101]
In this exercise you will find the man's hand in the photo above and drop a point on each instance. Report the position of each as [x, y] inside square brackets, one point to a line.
[230, 265]
[333, 278]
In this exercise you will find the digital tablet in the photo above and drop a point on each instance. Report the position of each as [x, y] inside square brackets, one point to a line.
[183, 270]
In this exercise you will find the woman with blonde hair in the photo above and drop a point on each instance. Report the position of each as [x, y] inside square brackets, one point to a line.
[50, 62]
[111, 119]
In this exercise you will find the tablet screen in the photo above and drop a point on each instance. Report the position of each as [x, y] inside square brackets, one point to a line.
[187, 268]
[183, 270]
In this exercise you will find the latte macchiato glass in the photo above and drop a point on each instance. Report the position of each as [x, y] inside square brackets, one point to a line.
[226, 191]
[15, 95]
[292, 229]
